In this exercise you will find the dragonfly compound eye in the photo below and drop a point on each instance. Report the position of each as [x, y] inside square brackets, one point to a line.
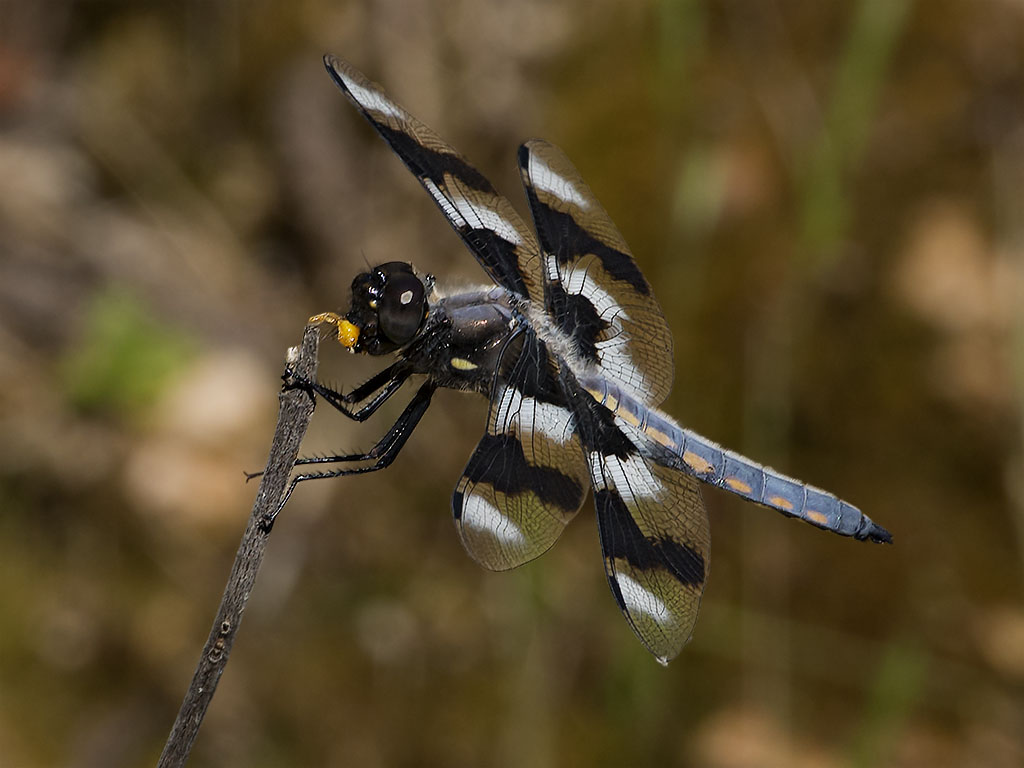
[402, 307]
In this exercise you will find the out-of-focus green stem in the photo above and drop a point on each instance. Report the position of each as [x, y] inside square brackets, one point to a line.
[844, 131]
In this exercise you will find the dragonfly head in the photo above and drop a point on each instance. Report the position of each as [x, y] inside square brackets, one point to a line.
[389, 305]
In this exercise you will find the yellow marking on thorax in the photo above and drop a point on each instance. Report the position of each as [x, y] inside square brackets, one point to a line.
[462, 364]
[778, 501]
[817, 517]
[697, 463]
[737, 485]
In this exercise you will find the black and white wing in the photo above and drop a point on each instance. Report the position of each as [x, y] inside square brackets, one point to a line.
[593, 288]
[655, 536]
[487, 223]
[527, 479]
[655, 543]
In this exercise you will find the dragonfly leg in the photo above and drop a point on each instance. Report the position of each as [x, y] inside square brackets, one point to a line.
[382, 454]
[381, 386]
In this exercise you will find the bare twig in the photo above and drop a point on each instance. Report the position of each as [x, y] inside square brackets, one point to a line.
[293, 418]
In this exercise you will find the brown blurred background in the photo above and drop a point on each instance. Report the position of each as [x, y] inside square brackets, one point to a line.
[827, 199]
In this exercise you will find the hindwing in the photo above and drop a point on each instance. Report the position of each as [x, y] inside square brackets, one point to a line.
[526, 479]
[655, 536]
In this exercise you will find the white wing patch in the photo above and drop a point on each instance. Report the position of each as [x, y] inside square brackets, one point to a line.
[641, 600]
[617, 363]
[488, 219]
[464, 213]
[631, 477]
[578, 281]
[556, 185]
[372, 100]
[551, 266]
[449, 210]
[552, 421]
[480, 514]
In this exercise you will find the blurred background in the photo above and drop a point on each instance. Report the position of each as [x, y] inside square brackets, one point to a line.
[827, 199]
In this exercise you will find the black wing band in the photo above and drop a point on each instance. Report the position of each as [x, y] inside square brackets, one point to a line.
[654, 530]
[526, 480]
[593, 288]
[487, 222]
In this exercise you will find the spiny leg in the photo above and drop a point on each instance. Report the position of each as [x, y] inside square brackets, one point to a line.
[400, 368]
[384, 384]
[388, 381]
[382, 454]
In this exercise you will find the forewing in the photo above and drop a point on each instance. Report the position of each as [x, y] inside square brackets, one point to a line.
[527, 478]
[486, 221]
[654, 532]
[593, 288]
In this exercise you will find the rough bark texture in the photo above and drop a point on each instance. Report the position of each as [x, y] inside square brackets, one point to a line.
[293, 419]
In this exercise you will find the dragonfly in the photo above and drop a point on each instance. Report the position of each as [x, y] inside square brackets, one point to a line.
[574, 354]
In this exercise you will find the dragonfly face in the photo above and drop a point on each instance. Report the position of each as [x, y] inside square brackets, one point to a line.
[575, 355]
[388, 309]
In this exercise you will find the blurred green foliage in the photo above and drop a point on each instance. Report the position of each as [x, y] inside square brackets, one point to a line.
[850, 111]
[124, 357]
[897, 687]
